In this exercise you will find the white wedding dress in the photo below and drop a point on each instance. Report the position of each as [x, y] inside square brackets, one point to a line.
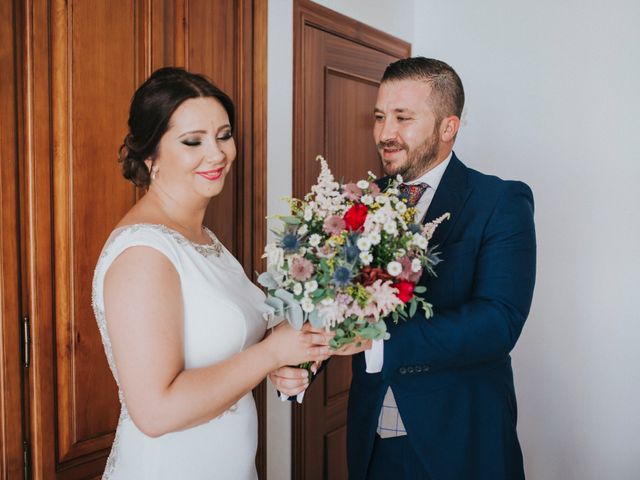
[223, 314]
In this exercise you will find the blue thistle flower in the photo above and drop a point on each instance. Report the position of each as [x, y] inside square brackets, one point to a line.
[342, 276]
[290, 242]
[414, 228]
[351, 250]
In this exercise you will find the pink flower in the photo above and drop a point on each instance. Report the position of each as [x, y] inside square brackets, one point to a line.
[301, 269]
[333, 225]
[352, 191]
[374, 189]
[407, 272]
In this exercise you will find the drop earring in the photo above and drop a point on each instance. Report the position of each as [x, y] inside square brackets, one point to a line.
[154, 173]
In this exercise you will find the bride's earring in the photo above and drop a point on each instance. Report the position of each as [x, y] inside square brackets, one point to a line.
[154, 172]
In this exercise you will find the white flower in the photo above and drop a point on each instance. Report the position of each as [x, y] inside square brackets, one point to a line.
[297, 289]
[327, 301]
[302, 231]
[366, 258]
[399, 178]
[371, 175]
[308, 214]
[420, 241]
[374, 238]
[366, 199]
[392, 191]
[382, 200]
[307, 305]
[401, 207]
[331, 313]
[416, 265]
[391, 228]
[314, 240]
[311, 286]
[274, 256]
[363, 184]
[364, 244]
[394, 268]
[381, 216]
[401, 253]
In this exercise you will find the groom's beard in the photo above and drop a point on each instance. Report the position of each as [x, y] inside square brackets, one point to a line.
[418, 161]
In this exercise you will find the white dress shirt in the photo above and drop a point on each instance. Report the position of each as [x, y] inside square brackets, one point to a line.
[374, 357]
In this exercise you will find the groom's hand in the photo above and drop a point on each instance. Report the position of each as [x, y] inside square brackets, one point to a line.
[353, 348]
[290, 380]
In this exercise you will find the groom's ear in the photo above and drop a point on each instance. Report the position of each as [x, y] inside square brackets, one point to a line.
[449, 128]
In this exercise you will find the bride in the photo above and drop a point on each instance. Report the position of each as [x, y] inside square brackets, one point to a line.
[182, 325]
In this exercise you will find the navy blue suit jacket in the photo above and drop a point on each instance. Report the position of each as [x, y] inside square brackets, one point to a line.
[451, 374]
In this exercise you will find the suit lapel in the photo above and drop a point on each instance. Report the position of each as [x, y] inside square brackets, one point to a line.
[451, 195]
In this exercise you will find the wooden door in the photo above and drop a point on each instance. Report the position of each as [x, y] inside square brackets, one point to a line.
[79, 63]
[338, 63]
[11, 364]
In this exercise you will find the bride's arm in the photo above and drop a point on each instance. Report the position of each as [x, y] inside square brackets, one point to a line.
[144, 314]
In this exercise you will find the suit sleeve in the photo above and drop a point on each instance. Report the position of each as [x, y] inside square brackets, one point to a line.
[487, 326]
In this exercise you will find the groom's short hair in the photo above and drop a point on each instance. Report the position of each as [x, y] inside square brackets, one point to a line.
[446, 86]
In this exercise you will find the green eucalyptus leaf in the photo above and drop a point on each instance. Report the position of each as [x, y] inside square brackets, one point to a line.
[413, 307]
[291, 220]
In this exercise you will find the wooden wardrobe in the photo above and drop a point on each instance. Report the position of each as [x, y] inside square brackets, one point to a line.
[68, 69]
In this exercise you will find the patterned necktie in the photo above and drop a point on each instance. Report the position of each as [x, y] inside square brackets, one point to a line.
[412, 192]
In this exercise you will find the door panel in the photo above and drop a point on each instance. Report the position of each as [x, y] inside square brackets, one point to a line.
[337, 66]
[89, 197]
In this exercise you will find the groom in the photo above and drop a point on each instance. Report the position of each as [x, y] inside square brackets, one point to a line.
[442, 405]
[436, 401]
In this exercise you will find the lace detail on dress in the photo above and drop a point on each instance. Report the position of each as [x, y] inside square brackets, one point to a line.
[206, 250]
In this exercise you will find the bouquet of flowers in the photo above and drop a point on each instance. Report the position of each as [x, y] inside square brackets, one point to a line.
[347, 257]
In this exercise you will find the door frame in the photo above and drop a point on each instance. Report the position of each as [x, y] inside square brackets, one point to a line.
[309, 14]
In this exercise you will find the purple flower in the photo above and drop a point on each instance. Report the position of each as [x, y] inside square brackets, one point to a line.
[301, 269]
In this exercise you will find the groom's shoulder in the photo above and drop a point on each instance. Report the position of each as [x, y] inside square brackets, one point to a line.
[494, 184]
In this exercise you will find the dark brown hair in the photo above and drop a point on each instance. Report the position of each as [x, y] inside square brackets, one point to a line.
[151, 108]
[446, 86]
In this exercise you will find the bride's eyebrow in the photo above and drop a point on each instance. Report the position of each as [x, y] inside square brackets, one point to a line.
[191, 132]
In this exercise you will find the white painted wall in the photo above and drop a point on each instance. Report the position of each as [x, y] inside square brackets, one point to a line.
[553, 99]
[279, 184]
[396, 19]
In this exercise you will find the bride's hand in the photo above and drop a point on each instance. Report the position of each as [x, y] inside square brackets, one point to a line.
[290, 380]
[293, 347]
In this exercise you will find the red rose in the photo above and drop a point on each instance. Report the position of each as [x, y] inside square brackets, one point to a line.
[355, 217]
[405, 290]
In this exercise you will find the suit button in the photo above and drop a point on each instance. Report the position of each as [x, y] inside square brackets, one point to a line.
[426, 368]
[409, 369]
[402, 370]
[418, 368]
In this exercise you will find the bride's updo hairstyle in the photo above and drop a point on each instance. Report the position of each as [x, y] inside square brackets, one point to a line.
[151, 108]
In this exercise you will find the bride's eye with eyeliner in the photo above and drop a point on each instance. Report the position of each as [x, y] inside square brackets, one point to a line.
[191, 142]
[225, 136]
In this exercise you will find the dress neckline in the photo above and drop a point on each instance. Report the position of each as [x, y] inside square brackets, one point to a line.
[206, 249]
